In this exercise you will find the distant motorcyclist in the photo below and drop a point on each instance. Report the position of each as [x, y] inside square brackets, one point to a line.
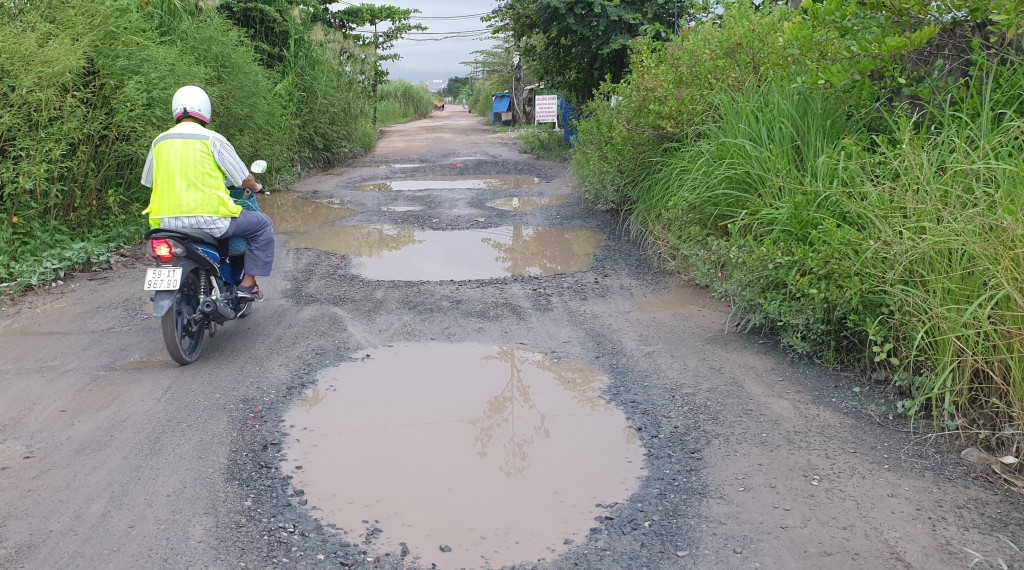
[187, 168]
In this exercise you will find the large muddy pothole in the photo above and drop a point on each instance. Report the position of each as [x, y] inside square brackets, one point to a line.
[291, 213]
[500, 453]
[493, 183]
[398, 253]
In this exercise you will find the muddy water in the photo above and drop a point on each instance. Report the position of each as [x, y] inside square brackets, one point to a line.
[291, 213]
[499, 452]
[526, 204]
[682, 299]
[398, 253]
[496, 183]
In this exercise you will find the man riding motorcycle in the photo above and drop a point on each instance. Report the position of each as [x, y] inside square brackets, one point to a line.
[188, 167]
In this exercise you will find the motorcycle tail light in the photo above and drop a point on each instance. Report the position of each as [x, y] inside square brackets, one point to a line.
[165, 249]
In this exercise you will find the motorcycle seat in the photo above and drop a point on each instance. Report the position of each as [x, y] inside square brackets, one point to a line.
[186, 234]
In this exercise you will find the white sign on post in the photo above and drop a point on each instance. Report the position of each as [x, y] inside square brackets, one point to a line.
[546, 110]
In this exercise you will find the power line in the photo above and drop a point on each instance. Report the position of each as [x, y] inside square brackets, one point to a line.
[466, 17]
[458, 32]
[482, 35]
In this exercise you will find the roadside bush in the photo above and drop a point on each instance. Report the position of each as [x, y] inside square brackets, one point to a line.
[671, 89]
[949, 256]
[332, 110]
[897, 251]
[544, 142]
[401, 102]
[85, 87]
[756, 208]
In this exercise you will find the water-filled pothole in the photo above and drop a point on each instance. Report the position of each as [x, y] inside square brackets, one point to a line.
[397, 253]
[500, 453]
[494, 183]
[681, 299]
[292, 213]
[527, 204]
[401, 208]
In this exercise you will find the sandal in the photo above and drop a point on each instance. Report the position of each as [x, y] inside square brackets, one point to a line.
[249, 294]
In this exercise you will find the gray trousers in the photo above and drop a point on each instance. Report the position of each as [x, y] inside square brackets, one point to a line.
[259, 230]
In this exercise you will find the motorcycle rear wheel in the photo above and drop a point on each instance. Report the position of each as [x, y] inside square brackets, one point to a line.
[183, 327]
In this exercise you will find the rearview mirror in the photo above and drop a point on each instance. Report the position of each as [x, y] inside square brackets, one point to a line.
[258, 167]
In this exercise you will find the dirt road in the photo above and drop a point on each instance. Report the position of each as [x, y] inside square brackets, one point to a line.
[336, 427]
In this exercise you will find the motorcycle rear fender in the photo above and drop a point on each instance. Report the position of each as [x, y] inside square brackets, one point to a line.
[164, 300]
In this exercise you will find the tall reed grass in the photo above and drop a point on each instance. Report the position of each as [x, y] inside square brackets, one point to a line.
[86, 87]
[899, 251]
[950, 256]
[401, 102]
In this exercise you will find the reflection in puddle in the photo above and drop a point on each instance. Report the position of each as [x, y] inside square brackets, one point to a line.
[360, 241]
[144, 364]
[401, 208]
[516, 204]
[291, 213]
[403, 254]
[496, 183]
[499, 452]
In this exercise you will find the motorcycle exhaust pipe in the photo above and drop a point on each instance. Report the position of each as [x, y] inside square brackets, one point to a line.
[218, 311]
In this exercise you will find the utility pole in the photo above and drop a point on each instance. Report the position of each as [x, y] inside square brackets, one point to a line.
[376, 74]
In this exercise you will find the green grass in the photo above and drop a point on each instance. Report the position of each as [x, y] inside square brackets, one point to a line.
[401, 102]
[899, 251]
[544, 142]
[43, 251]
[87, 85]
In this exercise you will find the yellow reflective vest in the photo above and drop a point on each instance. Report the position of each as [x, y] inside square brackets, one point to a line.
[187, 181]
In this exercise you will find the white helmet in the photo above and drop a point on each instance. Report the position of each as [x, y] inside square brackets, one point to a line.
[191, 101]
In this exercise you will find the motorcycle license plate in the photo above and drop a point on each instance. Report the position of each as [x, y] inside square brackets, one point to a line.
[162, 279]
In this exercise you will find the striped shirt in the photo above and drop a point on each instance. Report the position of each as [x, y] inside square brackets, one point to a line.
[235, 172]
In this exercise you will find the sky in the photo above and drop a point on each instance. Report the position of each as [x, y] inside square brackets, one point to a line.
[429, 60]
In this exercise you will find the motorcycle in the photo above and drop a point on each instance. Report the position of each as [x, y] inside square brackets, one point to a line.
[195, 281]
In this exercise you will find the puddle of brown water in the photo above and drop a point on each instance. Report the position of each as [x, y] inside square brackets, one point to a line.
[401, 208]
[396, 253]
[499, 452]
[291, 213]
[682, 299]
[527, 204]
[495, 183]
[144, 364]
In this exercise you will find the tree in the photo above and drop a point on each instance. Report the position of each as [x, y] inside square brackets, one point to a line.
[455, 86]
[576, 44]
[355, 21]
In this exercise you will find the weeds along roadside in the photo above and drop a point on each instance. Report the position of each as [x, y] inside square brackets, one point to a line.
[882, 237]
[401, 102]
[87, 87]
